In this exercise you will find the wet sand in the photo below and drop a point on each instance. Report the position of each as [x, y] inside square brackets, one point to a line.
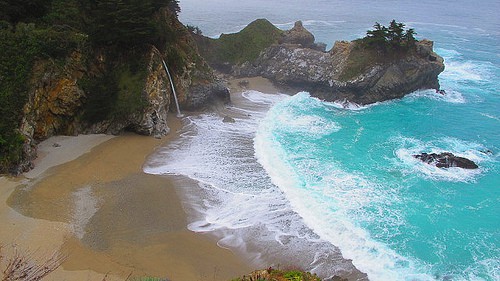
[107, 215]
[89, 198]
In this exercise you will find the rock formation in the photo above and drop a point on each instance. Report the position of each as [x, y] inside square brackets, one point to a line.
[57, 100]
[298, 35]
[446, 160]
[329, 75]
[348, 71]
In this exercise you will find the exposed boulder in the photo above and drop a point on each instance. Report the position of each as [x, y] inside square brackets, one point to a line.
[157, 93]
[228, 119]
[446, 160]
[201, 95]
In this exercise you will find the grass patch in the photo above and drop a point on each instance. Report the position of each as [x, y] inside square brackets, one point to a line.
[360, 59]
[363, 57]
[271, 274]
[243, 46]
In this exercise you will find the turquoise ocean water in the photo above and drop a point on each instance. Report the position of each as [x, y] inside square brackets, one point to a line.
[297, 179]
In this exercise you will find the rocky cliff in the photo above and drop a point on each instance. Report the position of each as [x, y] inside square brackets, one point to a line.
[324, 73]
[350, 70]
[69, 95]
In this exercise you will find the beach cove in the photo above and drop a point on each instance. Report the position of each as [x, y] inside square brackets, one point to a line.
[89, 199]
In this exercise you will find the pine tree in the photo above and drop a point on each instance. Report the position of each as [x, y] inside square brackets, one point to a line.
[395, 34]
[393, 38]
[378, 36]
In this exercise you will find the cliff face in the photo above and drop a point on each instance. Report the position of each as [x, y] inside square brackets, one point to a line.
[58, 100]
[324, 73]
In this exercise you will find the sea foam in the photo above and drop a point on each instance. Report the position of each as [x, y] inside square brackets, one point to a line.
[235, 199]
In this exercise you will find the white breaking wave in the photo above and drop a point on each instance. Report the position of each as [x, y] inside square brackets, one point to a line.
[490, 116]
[345, 104]
[288, 25]
[450, 96]
[236, 200]
[311, 195]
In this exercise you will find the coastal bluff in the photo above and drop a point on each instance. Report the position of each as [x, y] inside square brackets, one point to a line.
[79, 81]
[349, 71]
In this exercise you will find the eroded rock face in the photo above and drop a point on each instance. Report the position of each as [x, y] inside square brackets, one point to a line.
[321, 73]
[201, 95]
[56, 100]
[153, 119]
[446, 160]
[298, 35]
[52, 104]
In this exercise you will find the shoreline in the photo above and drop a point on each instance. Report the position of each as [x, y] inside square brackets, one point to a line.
[217, 153]
[98, 206]
[89, 198]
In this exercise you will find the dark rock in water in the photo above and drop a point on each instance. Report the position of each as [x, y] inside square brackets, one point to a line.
[228, 119]
[486, 151]
[446, 160]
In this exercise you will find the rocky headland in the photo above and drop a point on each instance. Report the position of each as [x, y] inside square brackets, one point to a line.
[75, 80]
[350, 70]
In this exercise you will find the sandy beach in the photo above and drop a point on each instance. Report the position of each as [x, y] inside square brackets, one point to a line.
[89, 198]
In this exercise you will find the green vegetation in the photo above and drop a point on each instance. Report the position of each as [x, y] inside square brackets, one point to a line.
[380, 45]
[194, 29]
[271, 274]
[21, 46]
[114, 94]
[392, 38]
[50, 30]
[243, 46]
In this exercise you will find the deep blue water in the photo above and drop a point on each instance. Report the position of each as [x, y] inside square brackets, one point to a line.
[319, 173]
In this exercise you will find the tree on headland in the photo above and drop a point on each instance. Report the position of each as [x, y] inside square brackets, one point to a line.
[377, 36]
[393, 38]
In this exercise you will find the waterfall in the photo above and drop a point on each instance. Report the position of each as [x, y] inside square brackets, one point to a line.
[179, 114]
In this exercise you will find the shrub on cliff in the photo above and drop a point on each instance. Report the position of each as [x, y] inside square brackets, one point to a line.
[124, 23]
[392, 38]
[380, 45]
[21, 47]
[116, 93]
[272, 274]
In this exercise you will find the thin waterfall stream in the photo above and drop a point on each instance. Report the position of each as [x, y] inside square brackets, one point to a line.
[179, 114]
